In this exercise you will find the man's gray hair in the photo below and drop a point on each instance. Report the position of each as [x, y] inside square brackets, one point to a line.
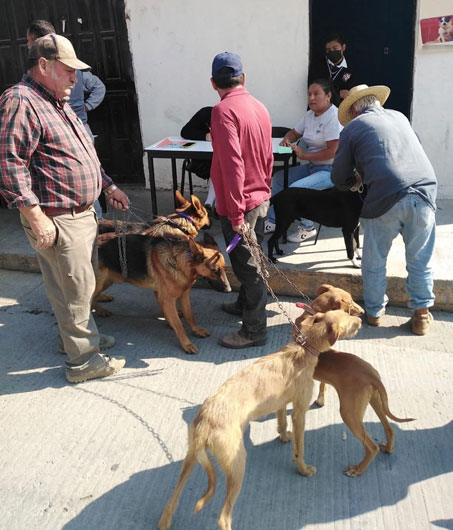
[363, 103]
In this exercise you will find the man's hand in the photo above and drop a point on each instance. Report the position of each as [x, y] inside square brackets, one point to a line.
[119, 200]
[45, 232]
[239, 229]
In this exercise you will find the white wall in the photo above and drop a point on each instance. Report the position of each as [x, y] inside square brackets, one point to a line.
[432, 114]
[173, 44]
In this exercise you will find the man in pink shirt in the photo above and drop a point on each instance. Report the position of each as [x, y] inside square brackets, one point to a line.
[241, 173]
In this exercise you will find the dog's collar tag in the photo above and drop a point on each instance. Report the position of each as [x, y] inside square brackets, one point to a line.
[182, 214]
[306, 308]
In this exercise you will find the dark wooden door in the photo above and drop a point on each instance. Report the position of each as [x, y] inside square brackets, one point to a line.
[97, 29]
[380, 42]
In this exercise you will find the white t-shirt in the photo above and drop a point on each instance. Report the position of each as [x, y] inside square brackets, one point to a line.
[316, 131]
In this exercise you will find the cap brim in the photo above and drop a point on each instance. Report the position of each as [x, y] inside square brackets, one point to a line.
[381, 93]
[77, 64]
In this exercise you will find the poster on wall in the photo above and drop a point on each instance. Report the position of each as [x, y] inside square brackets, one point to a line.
[437, 30]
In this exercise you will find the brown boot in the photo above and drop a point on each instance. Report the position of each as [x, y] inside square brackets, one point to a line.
[373, 321]
[421, 321]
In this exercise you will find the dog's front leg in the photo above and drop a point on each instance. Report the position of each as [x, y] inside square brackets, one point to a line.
[282, 426]
[168, 306]
[186, 308]
[298, 417]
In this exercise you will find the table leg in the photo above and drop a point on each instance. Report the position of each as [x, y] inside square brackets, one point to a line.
[152, 185]
[174, 176]
[285, 185]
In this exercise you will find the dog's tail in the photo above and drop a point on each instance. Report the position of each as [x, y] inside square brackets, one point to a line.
[385, 403]
[204, 460]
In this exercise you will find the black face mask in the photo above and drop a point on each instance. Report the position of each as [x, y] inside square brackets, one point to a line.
[335, 56]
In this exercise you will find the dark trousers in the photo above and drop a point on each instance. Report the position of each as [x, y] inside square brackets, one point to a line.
[253, 293]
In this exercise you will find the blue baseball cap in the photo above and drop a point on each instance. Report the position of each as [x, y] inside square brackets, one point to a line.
[227, 59]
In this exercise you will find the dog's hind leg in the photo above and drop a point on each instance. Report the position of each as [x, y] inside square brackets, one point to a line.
[350, 243]
[357, 242]
[376, 403]
[186, 308]
[352, 410]
[233, 466]
[187, 467]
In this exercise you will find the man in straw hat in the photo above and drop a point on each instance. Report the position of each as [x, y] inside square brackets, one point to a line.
[50, 171]
[380, 147]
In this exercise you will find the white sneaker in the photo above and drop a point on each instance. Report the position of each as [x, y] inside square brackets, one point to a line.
[269, 227]
[302, 234]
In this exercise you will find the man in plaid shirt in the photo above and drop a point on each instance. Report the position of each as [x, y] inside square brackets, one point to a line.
[49, 170]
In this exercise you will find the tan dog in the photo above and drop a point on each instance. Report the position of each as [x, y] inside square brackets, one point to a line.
[356, 382]
[263, 387]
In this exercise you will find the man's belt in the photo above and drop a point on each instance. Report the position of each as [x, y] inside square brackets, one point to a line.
[52, 212]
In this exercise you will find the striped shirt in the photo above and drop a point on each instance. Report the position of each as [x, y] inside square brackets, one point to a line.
[46, 155]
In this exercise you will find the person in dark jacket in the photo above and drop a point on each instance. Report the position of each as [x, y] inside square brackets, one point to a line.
[199, 128]
[333, 66]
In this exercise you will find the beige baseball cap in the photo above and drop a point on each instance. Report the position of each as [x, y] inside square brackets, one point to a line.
[59, 48]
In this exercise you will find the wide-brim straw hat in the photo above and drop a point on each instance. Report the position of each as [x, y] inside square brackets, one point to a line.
[380, 92]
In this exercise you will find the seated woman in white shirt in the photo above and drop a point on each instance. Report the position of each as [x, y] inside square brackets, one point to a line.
[319, 129]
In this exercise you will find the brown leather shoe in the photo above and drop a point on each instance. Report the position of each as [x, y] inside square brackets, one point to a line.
[420, 323]
[373, 321]
[237, 341]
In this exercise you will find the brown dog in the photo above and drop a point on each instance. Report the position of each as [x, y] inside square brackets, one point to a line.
[356, 382]
[263, 387]
[187, 220]
[169, 267]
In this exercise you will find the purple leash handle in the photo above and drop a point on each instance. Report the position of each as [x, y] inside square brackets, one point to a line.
[233, 243]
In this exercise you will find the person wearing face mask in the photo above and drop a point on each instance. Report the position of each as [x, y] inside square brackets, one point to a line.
[333, 66]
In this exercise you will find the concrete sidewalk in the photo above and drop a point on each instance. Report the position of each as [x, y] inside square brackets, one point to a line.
[106, 454]
[306, 265]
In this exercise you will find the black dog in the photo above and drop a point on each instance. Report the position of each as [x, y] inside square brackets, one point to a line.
[328, 207]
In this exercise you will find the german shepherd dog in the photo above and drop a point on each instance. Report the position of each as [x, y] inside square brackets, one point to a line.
[169, 267]
[189, 218]
[328, 207]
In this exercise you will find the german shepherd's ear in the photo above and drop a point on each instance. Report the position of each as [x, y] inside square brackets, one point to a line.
[182, 203]
[323, 289]
[196, 251]
[209, 241]
[196, 204]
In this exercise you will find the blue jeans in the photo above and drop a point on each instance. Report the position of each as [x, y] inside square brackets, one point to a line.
[415, 221]
[311, 176]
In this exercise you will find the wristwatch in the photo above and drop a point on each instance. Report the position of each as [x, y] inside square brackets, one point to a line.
[110, 190]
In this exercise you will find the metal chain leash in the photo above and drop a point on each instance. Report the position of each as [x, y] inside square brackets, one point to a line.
[120, 231]
[261, 262]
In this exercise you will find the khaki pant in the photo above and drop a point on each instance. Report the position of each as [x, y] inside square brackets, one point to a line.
[69, 273]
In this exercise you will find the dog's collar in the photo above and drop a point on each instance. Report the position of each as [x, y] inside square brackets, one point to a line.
[182, 214]
[168, 221]
[302, 341]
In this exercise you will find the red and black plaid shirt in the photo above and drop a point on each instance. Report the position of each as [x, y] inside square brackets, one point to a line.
[46, 155]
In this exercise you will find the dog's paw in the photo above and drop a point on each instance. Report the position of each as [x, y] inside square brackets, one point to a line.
[190, 348]
[271, 258]
[285, 436]
[201, 332]
[356, 264]
[280, 252]
[321, 401]
[306, 470]
[385, 447]
[104, 298]
[353, 471]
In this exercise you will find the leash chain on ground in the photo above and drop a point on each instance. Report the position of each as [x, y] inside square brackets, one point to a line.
[260, 261]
